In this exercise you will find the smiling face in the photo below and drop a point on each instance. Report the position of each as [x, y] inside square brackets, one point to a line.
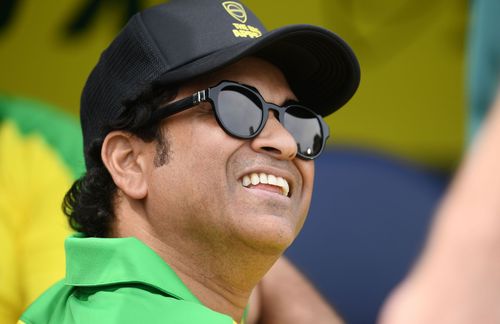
[217, 189]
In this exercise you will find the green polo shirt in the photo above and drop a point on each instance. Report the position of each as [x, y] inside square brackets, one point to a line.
[118, 280]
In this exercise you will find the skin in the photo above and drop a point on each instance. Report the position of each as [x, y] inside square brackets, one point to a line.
[457, 278]
[224, 239]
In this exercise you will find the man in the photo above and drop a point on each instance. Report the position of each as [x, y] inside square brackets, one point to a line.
[199, 129]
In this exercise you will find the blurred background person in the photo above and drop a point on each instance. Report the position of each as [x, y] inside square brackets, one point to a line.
[40, 155]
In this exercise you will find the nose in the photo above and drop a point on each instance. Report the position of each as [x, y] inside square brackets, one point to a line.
[275, 140]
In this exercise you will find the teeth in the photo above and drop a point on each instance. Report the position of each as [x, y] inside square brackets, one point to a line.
[255, 179]
[284, 185]
[246, 181]
[263, 178]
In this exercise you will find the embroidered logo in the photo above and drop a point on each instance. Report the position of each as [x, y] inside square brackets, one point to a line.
[236, 11]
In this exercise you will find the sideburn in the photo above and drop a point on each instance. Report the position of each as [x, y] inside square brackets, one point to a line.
[162, 149]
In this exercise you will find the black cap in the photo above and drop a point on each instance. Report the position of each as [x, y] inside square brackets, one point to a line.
[183, 39]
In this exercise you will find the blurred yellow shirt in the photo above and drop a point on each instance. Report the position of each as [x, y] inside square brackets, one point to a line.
[34, 177]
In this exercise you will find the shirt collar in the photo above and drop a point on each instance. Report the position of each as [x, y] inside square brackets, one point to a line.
[108, 261]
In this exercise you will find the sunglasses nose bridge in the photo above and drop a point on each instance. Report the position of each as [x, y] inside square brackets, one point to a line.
[277, 111]
[274, 138]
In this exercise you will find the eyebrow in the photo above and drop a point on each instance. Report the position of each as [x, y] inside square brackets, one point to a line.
[291, 102]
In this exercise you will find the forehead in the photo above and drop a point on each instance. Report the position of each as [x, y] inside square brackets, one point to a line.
[258, 73]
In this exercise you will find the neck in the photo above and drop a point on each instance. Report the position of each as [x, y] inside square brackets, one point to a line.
[222, 280]
[223, 288]
[222, 276]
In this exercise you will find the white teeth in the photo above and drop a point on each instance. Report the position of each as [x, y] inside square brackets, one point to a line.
[255, 179]
[272, 180]
[263, 178]
[286, 188]
[284, 185]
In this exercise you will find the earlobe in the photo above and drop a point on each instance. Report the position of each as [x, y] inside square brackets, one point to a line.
[123, 155]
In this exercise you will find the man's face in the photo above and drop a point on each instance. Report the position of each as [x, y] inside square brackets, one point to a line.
[198, 197]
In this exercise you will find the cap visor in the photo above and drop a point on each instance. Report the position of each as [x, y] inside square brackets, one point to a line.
[320, 67]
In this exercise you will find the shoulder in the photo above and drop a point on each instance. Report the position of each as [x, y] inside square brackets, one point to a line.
[126, 305]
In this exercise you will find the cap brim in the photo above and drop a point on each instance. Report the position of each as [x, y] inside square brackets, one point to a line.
[320, 67]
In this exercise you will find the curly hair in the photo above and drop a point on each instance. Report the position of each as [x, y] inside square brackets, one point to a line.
[89, 202]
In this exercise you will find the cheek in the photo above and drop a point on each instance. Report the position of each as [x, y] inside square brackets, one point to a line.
[201, 150]
[306, 169]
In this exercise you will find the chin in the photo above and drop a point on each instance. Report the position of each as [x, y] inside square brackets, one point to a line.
[270, 235]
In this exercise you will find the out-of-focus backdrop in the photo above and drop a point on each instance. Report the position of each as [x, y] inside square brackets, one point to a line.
[391, 148]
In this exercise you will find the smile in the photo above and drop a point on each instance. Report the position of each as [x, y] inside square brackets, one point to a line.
[254, 179]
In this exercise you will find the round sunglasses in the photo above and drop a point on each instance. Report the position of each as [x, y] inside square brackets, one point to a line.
[241, 112]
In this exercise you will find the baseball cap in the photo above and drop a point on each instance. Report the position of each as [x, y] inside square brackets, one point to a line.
[180, 40]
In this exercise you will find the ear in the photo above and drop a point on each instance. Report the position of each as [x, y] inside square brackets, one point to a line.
[125, 157]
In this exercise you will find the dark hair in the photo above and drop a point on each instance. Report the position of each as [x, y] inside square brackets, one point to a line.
[89, 202]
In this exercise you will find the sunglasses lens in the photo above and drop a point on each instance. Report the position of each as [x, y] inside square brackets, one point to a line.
[238, 114]
[305, 127]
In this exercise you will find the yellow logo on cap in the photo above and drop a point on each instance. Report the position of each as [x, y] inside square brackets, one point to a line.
[236, 11]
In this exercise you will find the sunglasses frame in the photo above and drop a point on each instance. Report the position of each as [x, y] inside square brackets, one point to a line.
[209, 94]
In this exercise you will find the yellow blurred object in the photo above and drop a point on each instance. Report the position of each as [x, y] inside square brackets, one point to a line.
[411, 100]
[32, 182]
[34, 177]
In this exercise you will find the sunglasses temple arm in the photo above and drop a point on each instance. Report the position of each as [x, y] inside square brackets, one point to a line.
[179, 106]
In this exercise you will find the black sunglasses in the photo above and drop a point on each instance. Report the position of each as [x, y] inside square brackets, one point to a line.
[241, 112]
